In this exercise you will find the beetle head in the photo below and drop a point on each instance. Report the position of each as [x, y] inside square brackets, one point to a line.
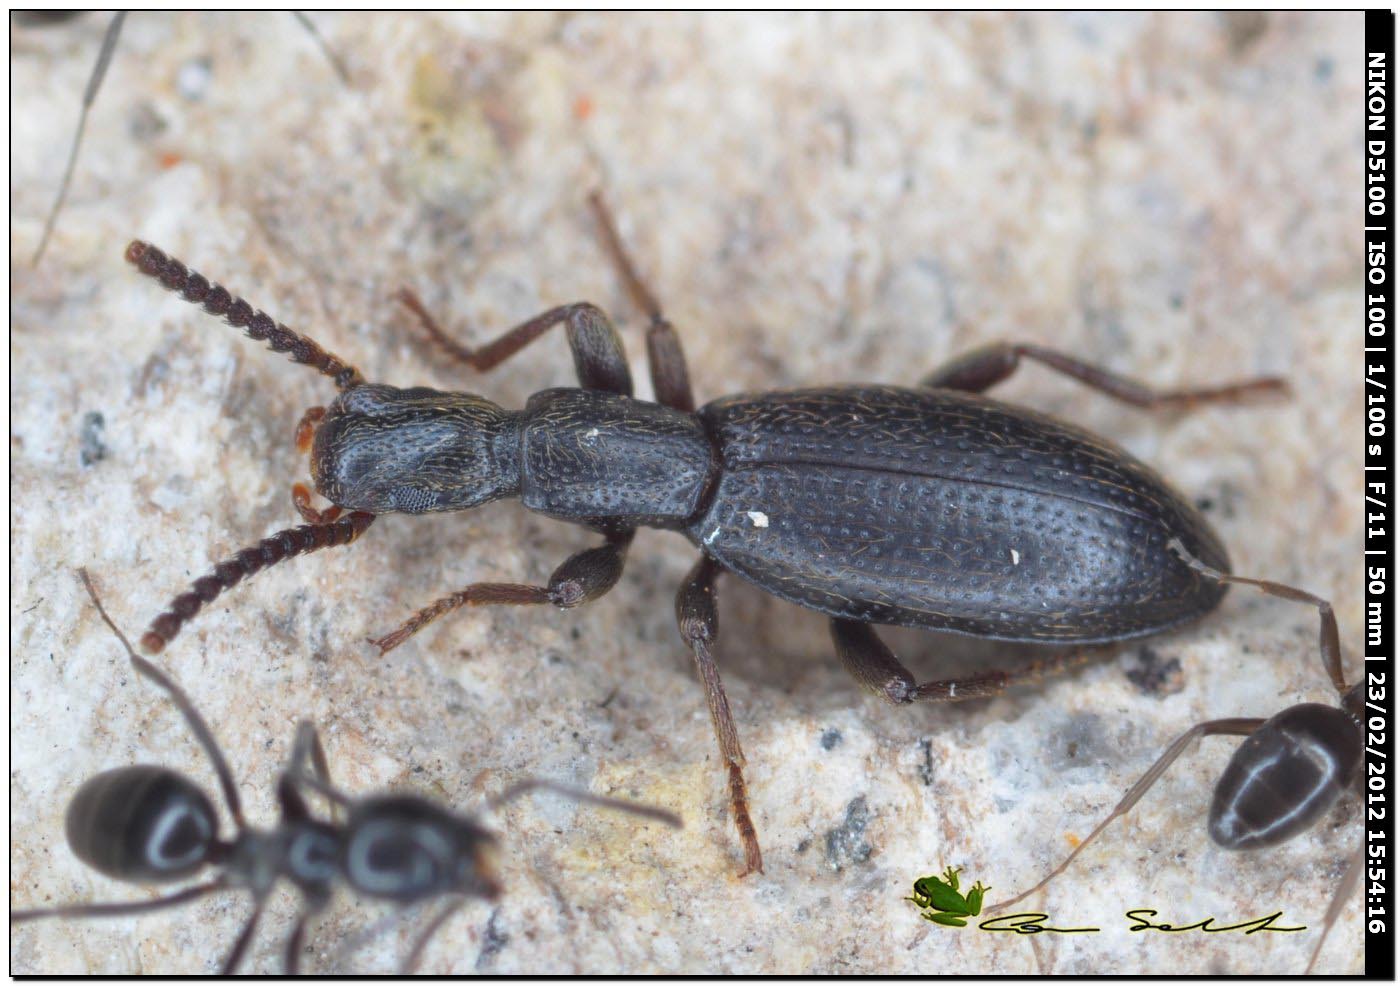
[384, 449]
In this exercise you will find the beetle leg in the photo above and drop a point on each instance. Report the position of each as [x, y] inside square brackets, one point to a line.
[698, 619]
[599, 358]
[669, 376]
[988, 365]
[1215, 727]
[582, 578]
[874, 665]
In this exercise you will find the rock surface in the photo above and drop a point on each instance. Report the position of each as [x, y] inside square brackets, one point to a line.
[815, 198]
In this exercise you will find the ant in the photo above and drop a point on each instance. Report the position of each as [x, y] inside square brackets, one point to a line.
[151, 824]
[1290, 770]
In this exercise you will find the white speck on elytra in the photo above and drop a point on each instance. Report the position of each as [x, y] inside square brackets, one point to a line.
[759, 518]
[709, 538]
[591, 433]
[1015, 557]
[952, 689]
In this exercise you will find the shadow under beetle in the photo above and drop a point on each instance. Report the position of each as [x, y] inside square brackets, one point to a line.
[1289, 772]
[928, 507]
[149, 824]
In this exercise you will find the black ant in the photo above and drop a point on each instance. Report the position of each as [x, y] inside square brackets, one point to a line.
[150, 824]
[1284, 777]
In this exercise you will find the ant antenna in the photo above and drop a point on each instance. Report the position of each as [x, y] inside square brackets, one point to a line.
[104, 58]
[326, 49]
[587, 797]
[1329, 639]
[99, 72]
[196, 722]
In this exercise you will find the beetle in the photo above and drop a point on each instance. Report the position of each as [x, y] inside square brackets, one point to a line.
[931, 507]
[151, 824]
[1287, 774]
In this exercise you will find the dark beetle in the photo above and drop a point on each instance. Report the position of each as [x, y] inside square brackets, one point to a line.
[931, 507]
[1289, 772]
[150, 824]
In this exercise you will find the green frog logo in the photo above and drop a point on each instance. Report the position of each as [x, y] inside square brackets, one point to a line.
[941, 903]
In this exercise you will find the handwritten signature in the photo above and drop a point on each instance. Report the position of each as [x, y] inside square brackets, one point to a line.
[1033, 923]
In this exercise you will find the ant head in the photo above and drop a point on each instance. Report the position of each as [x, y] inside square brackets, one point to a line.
[406, 848]
[142, 824]
[381, 449]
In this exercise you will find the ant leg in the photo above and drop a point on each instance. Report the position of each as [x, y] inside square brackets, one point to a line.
[269, 551]
[291, 960]
[582, 578]
[1339, 900]
[118, 909]
[245, 936]
[1329, 641]
[99, 71]
[875, 666]
[987, 365]
[410, 962]
[669, 376]
[698, 619]
[307, 747]
[599, 359]
[219, 302]
[1215, 727]
[193, 719]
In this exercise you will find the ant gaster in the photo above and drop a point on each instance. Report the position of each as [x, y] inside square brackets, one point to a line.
[928, 507]
[151, 824]
[1289, 772]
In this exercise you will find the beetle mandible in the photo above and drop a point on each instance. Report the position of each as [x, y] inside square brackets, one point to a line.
[931, 507]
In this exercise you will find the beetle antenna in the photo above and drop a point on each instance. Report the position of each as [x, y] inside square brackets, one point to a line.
[256, 324]
[269, 551]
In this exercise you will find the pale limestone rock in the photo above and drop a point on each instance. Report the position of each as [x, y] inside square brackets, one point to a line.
[815, 198]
